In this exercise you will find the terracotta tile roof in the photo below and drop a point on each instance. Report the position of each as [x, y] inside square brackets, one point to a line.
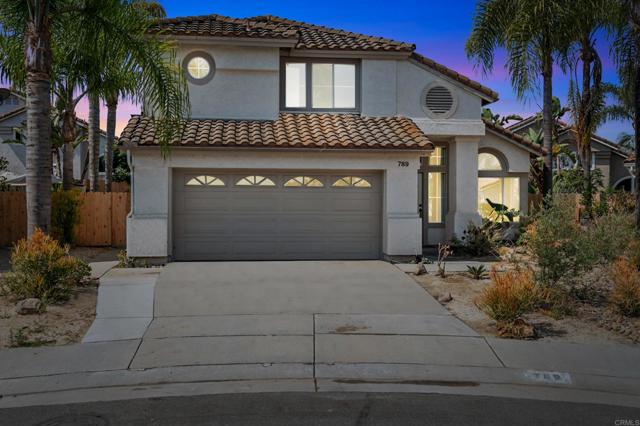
[455, 75]
[324, 131]
[324, 38]
[518, 139]
[222, 26]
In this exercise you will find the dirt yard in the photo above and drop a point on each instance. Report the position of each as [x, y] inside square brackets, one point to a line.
[59, 324]
[588, 324]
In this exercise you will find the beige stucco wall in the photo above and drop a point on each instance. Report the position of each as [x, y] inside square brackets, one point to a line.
[149, 224]
[396, 87]
[245, 84]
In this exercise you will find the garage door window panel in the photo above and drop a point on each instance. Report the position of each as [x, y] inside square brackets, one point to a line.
[351, 182]
[205, 180]
[303, 181]
[255, 180]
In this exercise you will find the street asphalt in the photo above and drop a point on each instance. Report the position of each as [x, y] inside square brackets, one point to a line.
[309, 409]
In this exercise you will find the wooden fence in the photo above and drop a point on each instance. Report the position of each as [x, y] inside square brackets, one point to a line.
[103, 218]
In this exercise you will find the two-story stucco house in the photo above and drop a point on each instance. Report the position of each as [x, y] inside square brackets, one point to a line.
[307, 142]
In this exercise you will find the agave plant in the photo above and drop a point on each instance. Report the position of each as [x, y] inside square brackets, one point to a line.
[477, 272]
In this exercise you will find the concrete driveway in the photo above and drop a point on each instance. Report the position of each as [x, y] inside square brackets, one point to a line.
[299, 314]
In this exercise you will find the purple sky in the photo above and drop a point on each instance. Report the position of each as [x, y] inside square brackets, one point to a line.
[438, 28]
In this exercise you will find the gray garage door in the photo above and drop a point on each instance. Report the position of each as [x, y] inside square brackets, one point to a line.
[264, 215]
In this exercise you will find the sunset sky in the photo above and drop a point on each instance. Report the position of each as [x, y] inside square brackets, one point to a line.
[439, 29]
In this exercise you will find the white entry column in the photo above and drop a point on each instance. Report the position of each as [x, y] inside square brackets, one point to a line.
[463, 185]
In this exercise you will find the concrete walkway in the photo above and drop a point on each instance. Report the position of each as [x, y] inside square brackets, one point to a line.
[299, 326]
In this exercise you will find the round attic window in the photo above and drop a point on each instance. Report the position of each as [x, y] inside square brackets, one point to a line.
[199, 67]
[438, 101]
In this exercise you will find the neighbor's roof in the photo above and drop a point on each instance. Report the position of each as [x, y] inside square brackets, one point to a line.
[320, 131]
[514, 137]
[566, 127]
[306, 37]
[12, 113]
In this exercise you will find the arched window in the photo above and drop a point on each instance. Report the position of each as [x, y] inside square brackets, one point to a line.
[496, 185]
[205, 180]
[489, 162]
[351, 181]
[254, 180]
[300, 181]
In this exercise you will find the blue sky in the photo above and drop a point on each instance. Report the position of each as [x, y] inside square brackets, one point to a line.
[439, 28]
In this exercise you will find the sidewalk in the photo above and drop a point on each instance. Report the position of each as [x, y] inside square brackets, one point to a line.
[430, 364]
[131, 352]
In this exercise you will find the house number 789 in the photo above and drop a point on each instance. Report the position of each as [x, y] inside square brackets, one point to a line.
[403, 164]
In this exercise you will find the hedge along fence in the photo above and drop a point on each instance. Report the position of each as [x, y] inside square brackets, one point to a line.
[103, 218]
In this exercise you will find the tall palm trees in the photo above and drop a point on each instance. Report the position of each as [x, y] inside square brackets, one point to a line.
[586, 99]
[626, 50]
[29, 31]
[532, 33]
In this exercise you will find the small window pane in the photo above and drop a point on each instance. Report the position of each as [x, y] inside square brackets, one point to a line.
[344, 85]
[437, 157]
[488, 161]
[435, 193]
[488, 188]
[198, 67]
[296, 85]
[511, 194]
[322, 79]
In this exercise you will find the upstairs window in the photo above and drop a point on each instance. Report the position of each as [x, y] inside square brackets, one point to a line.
[311, 85]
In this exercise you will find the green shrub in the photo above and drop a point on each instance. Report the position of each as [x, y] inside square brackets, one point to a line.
[482, 240]
[572, 181]
[43, 269]
[510, 295]
[65, 214]
[563, 249]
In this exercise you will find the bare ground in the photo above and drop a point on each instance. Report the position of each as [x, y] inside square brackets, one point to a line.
[588, 324]
[60, 324]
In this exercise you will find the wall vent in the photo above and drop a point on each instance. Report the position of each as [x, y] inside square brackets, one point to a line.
[439, 100]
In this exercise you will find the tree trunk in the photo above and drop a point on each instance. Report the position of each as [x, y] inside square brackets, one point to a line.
[635, 21]
[38, 103]
[112, 106]
[584, 124]
[69, 136]
[636, 121]
[547, 125]
[94, 142]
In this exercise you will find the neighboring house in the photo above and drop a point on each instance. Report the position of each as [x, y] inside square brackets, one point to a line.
[606, 155]
[13, 115]
[308, 142]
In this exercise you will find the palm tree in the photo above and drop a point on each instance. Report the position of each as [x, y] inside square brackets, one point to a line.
[29, 24]
[621, 109]
[532, 32]
[626, 51]
[30, 29]
[586, 102]
[500, 120]
[121, 82]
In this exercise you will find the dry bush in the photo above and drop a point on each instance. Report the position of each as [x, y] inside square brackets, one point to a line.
[43, 269]
[625, 296]
[510, 295]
